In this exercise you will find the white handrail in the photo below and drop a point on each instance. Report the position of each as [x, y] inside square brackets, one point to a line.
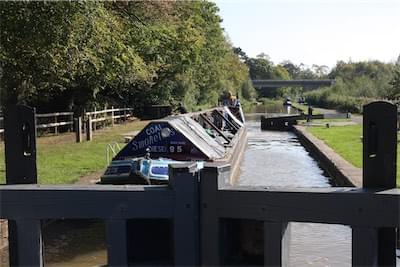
[111, 147]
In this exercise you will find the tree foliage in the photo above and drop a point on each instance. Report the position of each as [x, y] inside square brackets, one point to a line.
[357, 83]
[394, 89]
[72, 55]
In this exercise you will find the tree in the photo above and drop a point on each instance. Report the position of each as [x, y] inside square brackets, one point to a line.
[242, 55]
[395, 85]
[320, 70]
[293, 70]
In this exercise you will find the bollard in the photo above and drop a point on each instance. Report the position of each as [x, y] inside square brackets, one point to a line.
[377, 246]
[310, 112]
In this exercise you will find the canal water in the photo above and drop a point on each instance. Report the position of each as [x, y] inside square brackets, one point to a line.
[277, 159]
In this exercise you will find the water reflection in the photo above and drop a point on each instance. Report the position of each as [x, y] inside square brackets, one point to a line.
[75, 243]
[273, 107]
[277, 159]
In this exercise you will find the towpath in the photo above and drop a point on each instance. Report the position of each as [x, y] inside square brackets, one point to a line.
[356, 118]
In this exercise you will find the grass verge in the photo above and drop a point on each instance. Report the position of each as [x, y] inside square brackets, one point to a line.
[61, 161]
[346, 141]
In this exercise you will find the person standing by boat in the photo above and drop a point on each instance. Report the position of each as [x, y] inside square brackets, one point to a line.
[310, 111]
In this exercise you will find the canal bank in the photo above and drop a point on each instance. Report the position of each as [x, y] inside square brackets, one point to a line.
[341, 171]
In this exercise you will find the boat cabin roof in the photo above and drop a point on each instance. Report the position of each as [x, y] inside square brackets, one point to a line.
[176, 137]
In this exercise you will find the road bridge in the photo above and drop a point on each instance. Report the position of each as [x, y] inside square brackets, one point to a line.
[309, 83]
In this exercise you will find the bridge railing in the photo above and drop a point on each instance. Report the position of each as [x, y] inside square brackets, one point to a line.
[366, 211]
[304, 83]
[116, 205]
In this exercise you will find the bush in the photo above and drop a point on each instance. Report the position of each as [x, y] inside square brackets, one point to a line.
[328, 99]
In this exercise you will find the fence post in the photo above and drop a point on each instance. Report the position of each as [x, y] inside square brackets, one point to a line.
[89, 133]
[93, 125]
[25, 243]
[377, 246]
[125, 115]
[184, 181]
[112, 116]
[210, 224]
[78, 129]
[71, 118]
[55, 127]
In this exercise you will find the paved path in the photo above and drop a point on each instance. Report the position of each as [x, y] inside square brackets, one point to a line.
[356, 118]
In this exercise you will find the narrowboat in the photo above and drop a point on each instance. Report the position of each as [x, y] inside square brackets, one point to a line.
[215, 136]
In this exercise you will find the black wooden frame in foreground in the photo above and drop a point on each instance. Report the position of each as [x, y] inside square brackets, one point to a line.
[197, 202]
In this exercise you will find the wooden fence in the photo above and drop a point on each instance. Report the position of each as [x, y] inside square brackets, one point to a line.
[64, 121]
[55, 121]
[102, 117]
[200, 206]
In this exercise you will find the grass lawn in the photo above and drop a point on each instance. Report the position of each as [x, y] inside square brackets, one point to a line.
[346, 141]
[62, 161]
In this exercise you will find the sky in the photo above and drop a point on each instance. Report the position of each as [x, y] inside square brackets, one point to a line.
[314, 31]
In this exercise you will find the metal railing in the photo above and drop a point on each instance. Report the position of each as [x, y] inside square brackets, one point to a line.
[111, 150]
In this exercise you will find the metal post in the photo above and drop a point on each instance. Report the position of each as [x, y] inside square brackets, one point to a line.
[78, 129]
[25, 244]
[210, 224]
[89, 133]
[377, 246]
[184, 181]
